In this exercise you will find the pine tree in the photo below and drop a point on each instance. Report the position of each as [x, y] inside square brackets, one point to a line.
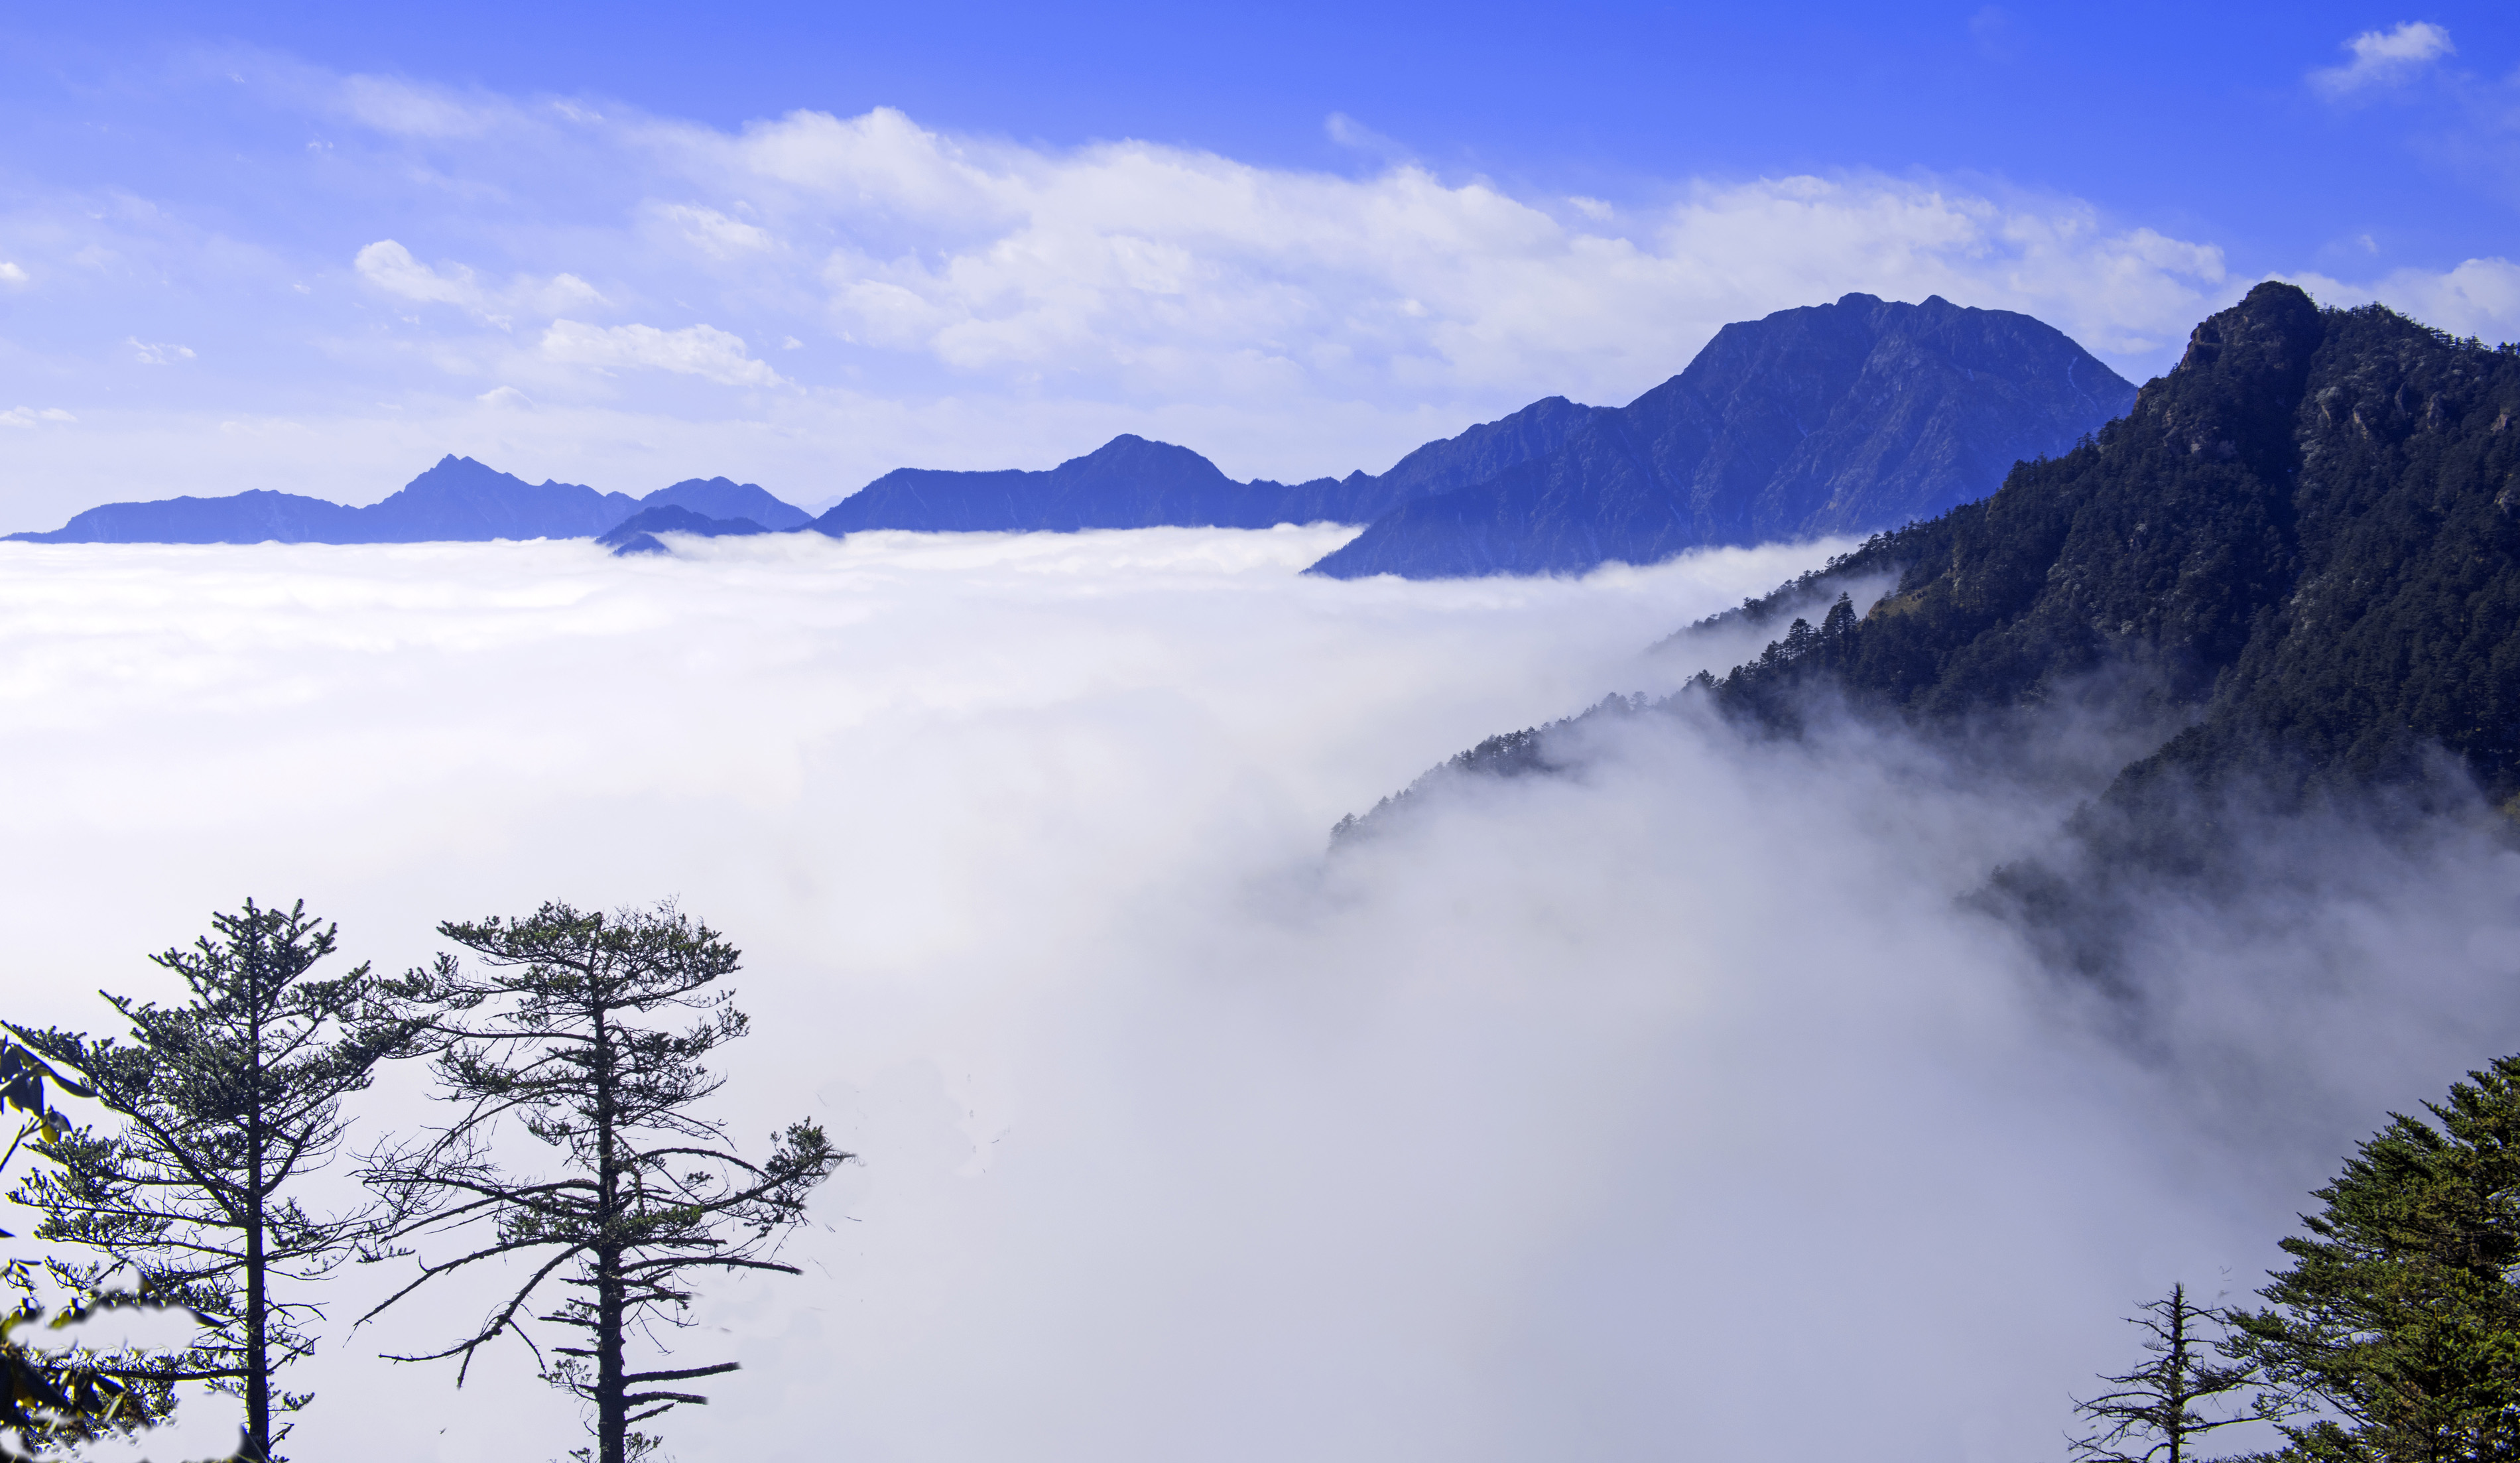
[549, 1031]
[2398, 1324]
[2152, 1416]
[228, 1101]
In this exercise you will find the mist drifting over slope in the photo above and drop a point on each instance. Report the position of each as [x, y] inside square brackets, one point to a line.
[1674, 1107]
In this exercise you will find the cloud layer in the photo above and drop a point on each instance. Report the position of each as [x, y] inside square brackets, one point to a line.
[1609, 1116]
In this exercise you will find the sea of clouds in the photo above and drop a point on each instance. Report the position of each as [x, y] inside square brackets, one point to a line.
[1678, 1107]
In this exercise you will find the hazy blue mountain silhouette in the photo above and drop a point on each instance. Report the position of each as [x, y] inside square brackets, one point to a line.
[258, 516]
[720, 498]
[459, 500]
[1838, 418]
[637, 534]
[1131, 482]
[1842, 418]
[1128, 483]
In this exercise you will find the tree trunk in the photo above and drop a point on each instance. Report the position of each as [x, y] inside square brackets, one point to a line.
[257, 1363]
[612, 1410]
[257, 1366]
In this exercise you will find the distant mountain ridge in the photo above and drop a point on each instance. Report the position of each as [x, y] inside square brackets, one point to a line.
[458, 500]
[637, 534]
[1831, 419]
[1842, 418]
[1132, 482]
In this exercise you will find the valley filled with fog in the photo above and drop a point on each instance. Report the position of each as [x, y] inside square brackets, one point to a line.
[1676, 1107]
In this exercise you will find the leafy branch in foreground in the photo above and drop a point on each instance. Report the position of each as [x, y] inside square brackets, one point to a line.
[51, 1396]
[547, 1031]
[229, 1099]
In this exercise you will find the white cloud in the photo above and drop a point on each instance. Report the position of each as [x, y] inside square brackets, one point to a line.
[1348, 133]
[2384, 58]
[713, 233]
[2479, 297]
[11, 274]
[157, 354]
[409, 109]
[693, 350]
[1182, 1141]
[1167, 270]
[27, 416]
[390, 267]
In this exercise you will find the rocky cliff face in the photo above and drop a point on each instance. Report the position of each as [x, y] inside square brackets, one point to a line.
[1833, 418]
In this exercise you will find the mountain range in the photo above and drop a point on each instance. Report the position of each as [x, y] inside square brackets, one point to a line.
[1131, 482]
[459, 500]
[2299, 551]
[1839, 418]
[1833, 419]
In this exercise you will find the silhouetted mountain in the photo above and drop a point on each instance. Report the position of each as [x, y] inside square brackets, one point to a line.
[458, 500]
[1831, 419]
[258, 516]
[1131, 482]
[720, 498]
[2300, 549]
[1128, 483]
[637, 534]
[462, 500]
[1438, 466]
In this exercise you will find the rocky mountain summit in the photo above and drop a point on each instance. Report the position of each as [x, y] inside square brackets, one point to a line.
[1841, 418]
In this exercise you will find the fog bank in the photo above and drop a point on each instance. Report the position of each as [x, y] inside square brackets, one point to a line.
[1675, 1108]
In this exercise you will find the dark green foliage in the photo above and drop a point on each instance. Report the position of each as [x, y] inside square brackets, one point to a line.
[1521, 753]
[228, 1100]
[547, 1032]
[59, 1399]
[2398, 1321]
[2152, 1415]
[52, 1397]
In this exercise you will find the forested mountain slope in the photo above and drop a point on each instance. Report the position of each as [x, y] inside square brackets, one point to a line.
[1831, 419]
[2306, 530]
[2303, 543]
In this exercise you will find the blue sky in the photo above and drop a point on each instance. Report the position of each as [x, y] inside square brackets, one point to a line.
[312, 248]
